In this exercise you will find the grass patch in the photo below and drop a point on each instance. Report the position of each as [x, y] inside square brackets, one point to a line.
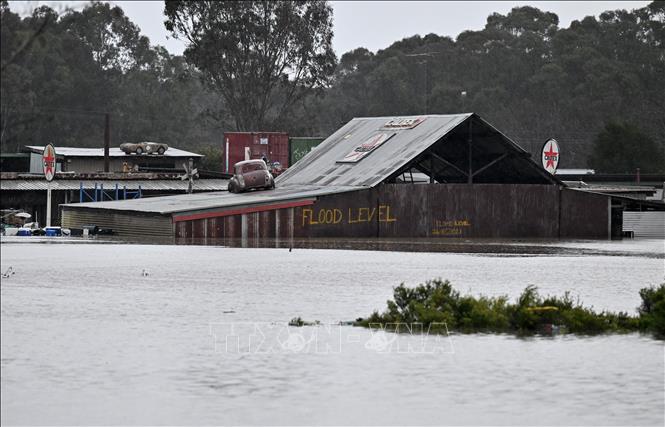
[436, 302]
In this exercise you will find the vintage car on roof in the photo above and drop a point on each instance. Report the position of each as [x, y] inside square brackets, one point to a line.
[250, 174]
[144, 147]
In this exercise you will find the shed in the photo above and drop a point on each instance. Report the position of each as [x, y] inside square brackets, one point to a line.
[356, 184]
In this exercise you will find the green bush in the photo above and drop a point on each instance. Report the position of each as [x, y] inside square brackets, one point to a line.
[652, 310]
[436, 302]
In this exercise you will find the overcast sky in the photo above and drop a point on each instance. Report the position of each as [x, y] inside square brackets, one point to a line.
[371, 24]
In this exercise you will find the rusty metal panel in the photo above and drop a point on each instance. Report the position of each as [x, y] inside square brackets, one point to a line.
[342, 215]
[123, 224]
[198, 228]
[585, 215]
[456, 210]
[215, 228]
[460, 210]
[232, 229]
[399, 210]
[283, 223]
[267, 224]
[405, 210]
[253, 224]
[184, 230]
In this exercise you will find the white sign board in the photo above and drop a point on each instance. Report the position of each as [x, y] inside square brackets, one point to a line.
[550, 155]
[366, 147]
[407, 123]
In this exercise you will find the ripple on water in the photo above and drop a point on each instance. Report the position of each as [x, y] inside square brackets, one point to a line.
[81, 327]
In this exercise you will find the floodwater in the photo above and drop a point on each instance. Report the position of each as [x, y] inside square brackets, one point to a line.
[87, 338]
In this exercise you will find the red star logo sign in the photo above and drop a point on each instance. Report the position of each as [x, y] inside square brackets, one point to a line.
[48, 163]
[551, 156]
[48, 157]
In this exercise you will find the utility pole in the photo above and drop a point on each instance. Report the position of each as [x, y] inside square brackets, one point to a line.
[427, 88]
[426, 61]
[107, 140]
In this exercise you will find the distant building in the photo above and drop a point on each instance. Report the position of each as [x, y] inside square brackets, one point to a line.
[566, 172]
[300, 146]
[14, 162]
[91, 160]
[270, 146]
[78, 178]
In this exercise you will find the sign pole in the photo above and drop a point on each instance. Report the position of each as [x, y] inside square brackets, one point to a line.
[48, 203]
[49, 163]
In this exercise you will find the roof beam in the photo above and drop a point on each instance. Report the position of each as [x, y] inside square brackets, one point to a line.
[441, 159]
[470, 174]
[498, 159]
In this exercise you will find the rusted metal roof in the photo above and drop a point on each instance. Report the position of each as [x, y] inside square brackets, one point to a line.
[113, 152]
[204, 201]
[398, 146]
[322, 167]
[132, 184]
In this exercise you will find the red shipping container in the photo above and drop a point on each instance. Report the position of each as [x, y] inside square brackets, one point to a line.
[273, 146]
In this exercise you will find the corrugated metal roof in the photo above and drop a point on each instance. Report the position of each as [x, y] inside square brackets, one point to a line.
[133, 184]
[326, 164]
[113, 152]
[321, 166]
[658, 204]
[601, 188]
[207, 201]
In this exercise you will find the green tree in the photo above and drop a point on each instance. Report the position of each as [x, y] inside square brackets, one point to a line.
[114, 40]
[261, 56]
[622, 148]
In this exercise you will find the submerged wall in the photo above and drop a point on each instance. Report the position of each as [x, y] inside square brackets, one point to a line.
[123, 223]
[420, 211]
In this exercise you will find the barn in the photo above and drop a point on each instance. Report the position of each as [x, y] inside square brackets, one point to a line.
[431, 176]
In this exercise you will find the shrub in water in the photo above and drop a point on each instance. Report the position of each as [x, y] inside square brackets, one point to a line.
[652, 310]
[436, 302]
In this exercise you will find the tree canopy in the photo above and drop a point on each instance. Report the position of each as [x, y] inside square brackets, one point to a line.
[272, 68]
[622, 148]
[83, 64]
[260, 56]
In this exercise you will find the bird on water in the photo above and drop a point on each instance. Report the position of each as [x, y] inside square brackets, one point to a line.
[10, 272]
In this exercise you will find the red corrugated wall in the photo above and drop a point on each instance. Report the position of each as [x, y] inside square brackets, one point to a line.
[276, 149]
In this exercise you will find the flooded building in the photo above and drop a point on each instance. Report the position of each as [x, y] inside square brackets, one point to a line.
[360, 182]
[90, 160]
[78, 178]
